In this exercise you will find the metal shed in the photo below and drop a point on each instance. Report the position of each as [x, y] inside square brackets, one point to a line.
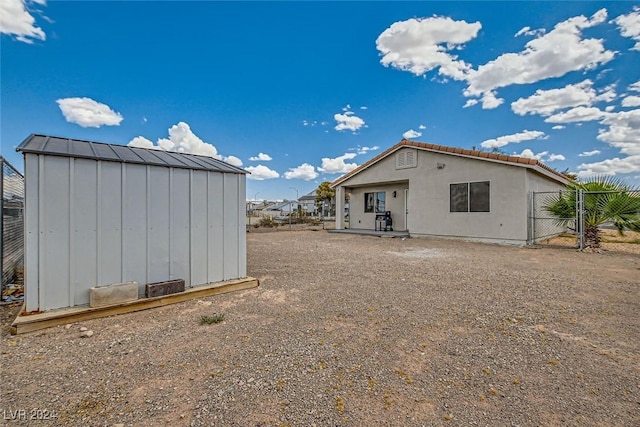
[97, 214]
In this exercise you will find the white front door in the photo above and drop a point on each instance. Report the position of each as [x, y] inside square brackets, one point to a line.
[406, 209]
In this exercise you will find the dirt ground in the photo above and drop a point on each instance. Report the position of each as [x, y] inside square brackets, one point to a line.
[355, 331]
[611, 240]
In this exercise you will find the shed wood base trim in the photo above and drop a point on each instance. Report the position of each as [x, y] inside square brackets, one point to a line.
[47, 319]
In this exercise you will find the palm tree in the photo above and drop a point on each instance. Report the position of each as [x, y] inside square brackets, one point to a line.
[606, 199]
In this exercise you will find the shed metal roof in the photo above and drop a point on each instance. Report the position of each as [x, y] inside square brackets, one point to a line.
[66, 147]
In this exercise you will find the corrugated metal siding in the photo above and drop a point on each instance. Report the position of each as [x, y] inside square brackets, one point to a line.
[93, 222]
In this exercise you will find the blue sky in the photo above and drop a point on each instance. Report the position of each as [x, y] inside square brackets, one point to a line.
[301, 92]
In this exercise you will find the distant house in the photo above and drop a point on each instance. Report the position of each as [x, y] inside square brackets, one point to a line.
[308, 203]
[278, 209]
[434, 190]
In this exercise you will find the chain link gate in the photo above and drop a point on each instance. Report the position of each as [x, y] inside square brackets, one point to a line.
[12, 226]
[586, 214]
[543, 225]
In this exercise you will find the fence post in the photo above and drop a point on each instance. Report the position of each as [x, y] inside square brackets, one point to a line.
[2, 230]
[532, 220]
[580, 218]
[11, 222]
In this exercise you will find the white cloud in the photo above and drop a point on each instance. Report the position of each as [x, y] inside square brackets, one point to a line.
[613, 166]
[15, 20]
[470, 103]
[347, 108]
[262, 157]
[557, 127]
[527, 31]
[419, 45]
[304, 171]
[183, 140]
[526, 135]
[577, 114]
[553, 54]
[629, 26]
[623, 133]
[554, 157]
[490, 101]
[233, 160]
[364, 107]
[348, 121]
[607, 94]
[531, 155]
[338, 164]
[364, 150]
[546, 102]
[88, 113]
[589, 153]
[142, 142]
[410, 134]
[609, 108]
[261, 173]
[528, 153]
[631, 101]
[634, 87]
[422, 127]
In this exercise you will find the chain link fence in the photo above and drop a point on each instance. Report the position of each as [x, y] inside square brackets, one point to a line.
[543, 225]
[12, 225]
[586, 216]
[606, 213]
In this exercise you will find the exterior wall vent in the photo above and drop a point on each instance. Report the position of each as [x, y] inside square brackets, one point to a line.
[407, 159]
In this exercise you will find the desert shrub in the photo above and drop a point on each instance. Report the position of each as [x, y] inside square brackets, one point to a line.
[267, 221]
[209, 320]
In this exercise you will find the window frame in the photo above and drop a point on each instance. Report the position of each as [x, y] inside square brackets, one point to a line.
[478, 200]
[373, 201]
[369, 202]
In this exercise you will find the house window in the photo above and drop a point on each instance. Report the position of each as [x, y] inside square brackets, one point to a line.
[469, 197]
[374, 202]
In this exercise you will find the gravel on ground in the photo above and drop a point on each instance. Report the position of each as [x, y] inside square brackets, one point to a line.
[355, 331]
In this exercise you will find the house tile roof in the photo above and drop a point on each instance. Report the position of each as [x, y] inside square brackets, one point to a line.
[516, 160]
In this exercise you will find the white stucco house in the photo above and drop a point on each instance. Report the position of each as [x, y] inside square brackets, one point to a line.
[435, 190]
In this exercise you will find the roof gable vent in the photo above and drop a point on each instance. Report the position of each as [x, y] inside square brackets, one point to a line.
[406, 159]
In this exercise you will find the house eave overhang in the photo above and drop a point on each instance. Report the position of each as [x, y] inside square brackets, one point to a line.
[516, 161]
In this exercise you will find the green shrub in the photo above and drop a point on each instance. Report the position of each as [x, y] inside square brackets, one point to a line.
[209, 320]
[267, 221]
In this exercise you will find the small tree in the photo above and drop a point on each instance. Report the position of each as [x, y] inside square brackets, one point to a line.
[607, 199]
[325, 193]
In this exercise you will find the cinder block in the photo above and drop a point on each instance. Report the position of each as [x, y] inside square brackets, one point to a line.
[164, 288]
[113, 294]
